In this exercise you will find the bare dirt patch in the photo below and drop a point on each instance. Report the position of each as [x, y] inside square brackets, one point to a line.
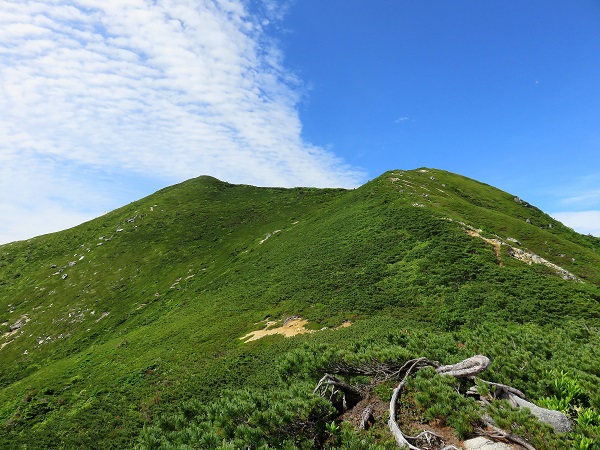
[14, 329]
[496, 243]
[409, 421]
[522, 255]
[288, 329]
[292, 326]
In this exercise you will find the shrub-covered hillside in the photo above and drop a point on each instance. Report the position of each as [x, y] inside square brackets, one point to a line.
[125, 331]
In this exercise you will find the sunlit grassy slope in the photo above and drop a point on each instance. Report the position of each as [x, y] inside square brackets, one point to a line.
[125, 316]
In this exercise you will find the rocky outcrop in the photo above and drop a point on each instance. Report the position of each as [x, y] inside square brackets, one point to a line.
[19, 323]
[482, 443]
[532, 258]
[522, 255]
[557, 420]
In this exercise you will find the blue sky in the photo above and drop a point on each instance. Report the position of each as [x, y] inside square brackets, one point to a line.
[504, 92]
[106, 101]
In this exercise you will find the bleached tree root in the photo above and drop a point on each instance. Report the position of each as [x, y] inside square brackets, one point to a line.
[350, 395]
[497, 434]
[427, 436]
[412, 366]
[467, 369]
[503, 387]
[424, 434]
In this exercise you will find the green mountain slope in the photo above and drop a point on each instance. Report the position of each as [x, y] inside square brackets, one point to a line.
[114, 326]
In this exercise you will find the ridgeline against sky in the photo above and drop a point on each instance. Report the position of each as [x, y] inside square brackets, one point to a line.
[106, 101]
[160, 323]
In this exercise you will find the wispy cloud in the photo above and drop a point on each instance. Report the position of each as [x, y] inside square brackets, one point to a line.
[579, 192]
[170, 89]
[401, 119]
[585, 222]
[39, 195]
[586, 197]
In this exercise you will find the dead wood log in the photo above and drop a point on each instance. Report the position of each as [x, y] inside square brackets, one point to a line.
[424, 434]
[413, 365]
[350, 395]
[366, 417]
[557, 420]
[466, 368]
[501, 389]
[499, 434]
[427, 438]
[380, 371]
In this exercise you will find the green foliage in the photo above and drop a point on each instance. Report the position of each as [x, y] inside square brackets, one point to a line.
[587, 418]
[332, 428]
[569, 397]
[521, 422]
[348, 439]
[146, 324]
[245, 419]
[304, 362]
[441, 399]
[556, 403]
[567, 391]
[583, 443]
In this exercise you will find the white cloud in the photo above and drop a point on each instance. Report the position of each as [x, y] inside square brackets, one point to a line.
[38, 197]
[585, 222]
[590, 196]
[579, 191]
[169, 89]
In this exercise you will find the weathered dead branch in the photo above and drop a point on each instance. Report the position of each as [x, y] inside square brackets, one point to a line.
[466, 368]
[350, 395]
[427, 438]
[413, 365]
[330, 386]
[501, 388]
[496, 434]
[380, 371]
[424, 434]
[366, 417]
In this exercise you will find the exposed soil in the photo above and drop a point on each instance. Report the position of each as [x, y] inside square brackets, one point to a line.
[521, 255]
[345, 324]
[496, 243]
[291, 327]
[14, 329]
[407, 421]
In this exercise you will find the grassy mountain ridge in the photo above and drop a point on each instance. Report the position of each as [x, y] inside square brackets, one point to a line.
[112, 324]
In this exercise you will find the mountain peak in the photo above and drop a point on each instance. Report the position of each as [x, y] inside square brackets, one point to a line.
[116, 328]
